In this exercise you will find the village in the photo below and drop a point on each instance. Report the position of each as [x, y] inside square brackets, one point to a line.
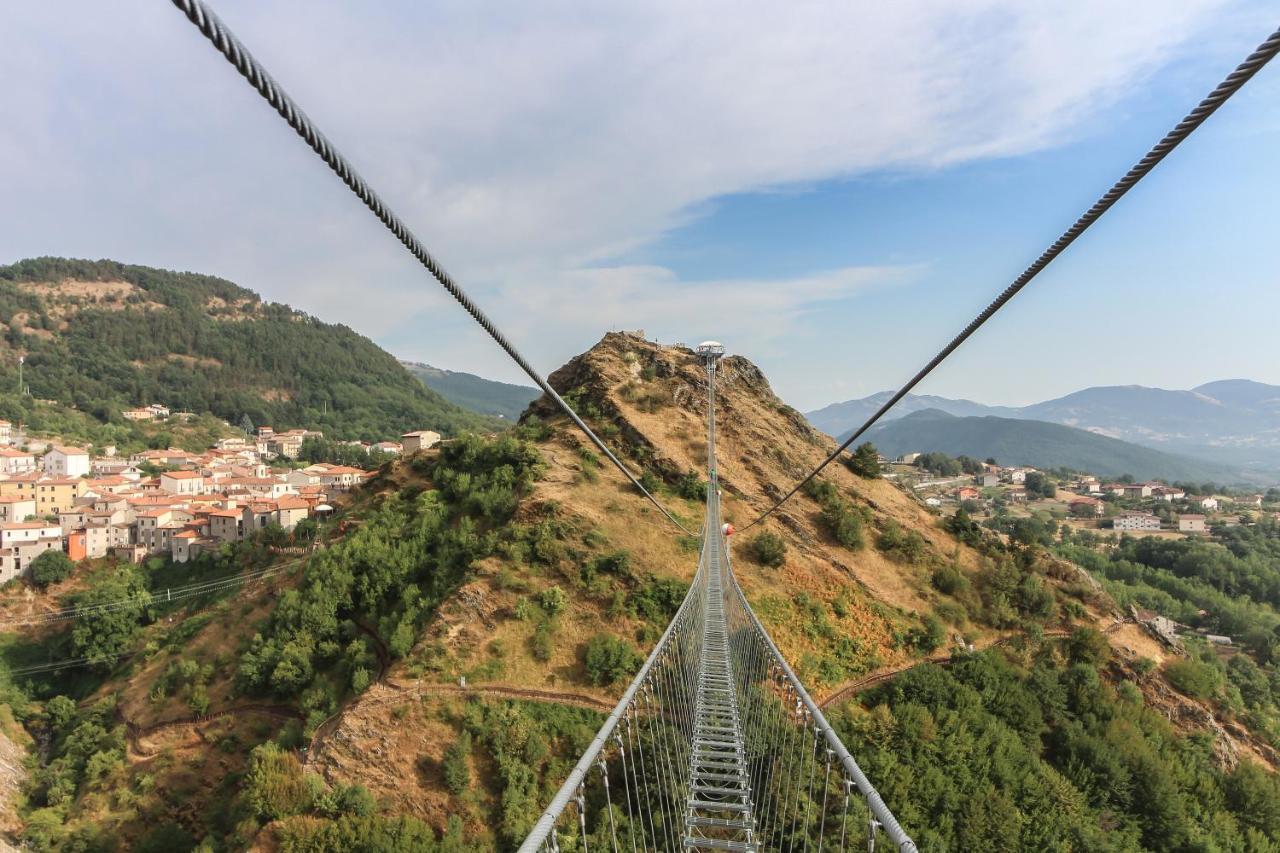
[170, 503]
[1082, 500]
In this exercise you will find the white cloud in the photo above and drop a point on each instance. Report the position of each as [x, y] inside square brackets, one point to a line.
[527, 143]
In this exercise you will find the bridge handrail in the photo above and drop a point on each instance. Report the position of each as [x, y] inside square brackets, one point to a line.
[542, 829]
[875, 802]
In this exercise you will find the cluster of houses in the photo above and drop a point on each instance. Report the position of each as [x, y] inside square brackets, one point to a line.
[1089, 497]
[161, 502]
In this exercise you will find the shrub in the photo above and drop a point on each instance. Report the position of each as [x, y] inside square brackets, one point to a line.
[1088, 645]
[844, 525]
[1195, 679]
[903, 546]
[929, 635]
[768, 549]
[51, 567]
[692, 487]
[541, 645]
[608, 659]
[948, 580]
[553, 600]
[456, 766]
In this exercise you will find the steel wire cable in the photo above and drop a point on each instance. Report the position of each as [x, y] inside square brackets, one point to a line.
[1207, 107]
[220, 36]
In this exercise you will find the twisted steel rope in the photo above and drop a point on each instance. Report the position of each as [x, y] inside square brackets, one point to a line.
[1228, 87]
[213, 28]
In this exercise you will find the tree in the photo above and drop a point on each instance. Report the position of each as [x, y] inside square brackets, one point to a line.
[246, 424]
[51, 567]
[768, 549]
[103, 635]
[865, 461]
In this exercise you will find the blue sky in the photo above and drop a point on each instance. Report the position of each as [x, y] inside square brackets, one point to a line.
[832, 190]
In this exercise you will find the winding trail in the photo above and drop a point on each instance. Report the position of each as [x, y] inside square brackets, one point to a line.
[885, 674]
[135, 733]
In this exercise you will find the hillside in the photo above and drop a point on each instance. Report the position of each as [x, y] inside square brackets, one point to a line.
[499, 399]
[104, 336]
[1232, 422]
[1041, 445]
[331, 715]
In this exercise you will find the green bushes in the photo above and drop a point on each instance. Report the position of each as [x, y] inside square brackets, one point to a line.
[840, 518]
[273, 785]
[608, 659]
[389, 574]
[542, 643]
[657, 599]
[929, 636]
[768, 549]
[692, 487]
[1197, 680]
[902, 546]
[948, 580]
[50, 567]
[369, 834]
[1046, 756]
[102, 636]
[85, 748]
[553, 600]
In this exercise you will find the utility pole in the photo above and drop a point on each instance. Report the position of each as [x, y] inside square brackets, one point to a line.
[21, 359]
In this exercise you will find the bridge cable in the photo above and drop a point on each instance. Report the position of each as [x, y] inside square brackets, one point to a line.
[1228, 87]
[213, 28]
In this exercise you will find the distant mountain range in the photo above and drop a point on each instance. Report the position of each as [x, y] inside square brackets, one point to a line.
[1235, 422]
[1013, 441]
[476, 393]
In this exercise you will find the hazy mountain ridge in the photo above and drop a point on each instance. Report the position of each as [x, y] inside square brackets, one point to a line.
[1233, 422]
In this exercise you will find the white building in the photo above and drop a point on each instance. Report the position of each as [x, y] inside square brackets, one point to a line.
[67, 462]
[16, 461]
[182, 482]
[1136, 521]
[22, 542]
[419, 440]
[1191, 524]
[16, 507]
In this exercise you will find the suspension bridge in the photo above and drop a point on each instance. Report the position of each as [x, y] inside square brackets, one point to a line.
[715, 745]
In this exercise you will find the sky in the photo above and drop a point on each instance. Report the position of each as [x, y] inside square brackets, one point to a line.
[832, 190]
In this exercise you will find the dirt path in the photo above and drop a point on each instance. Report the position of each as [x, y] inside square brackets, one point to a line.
[880, 676]
[135, 734]
[506, 691]
[395, 692]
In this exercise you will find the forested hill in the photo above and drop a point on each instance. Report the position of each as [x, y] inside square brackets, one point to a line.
[486, 396]
[104, 336]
